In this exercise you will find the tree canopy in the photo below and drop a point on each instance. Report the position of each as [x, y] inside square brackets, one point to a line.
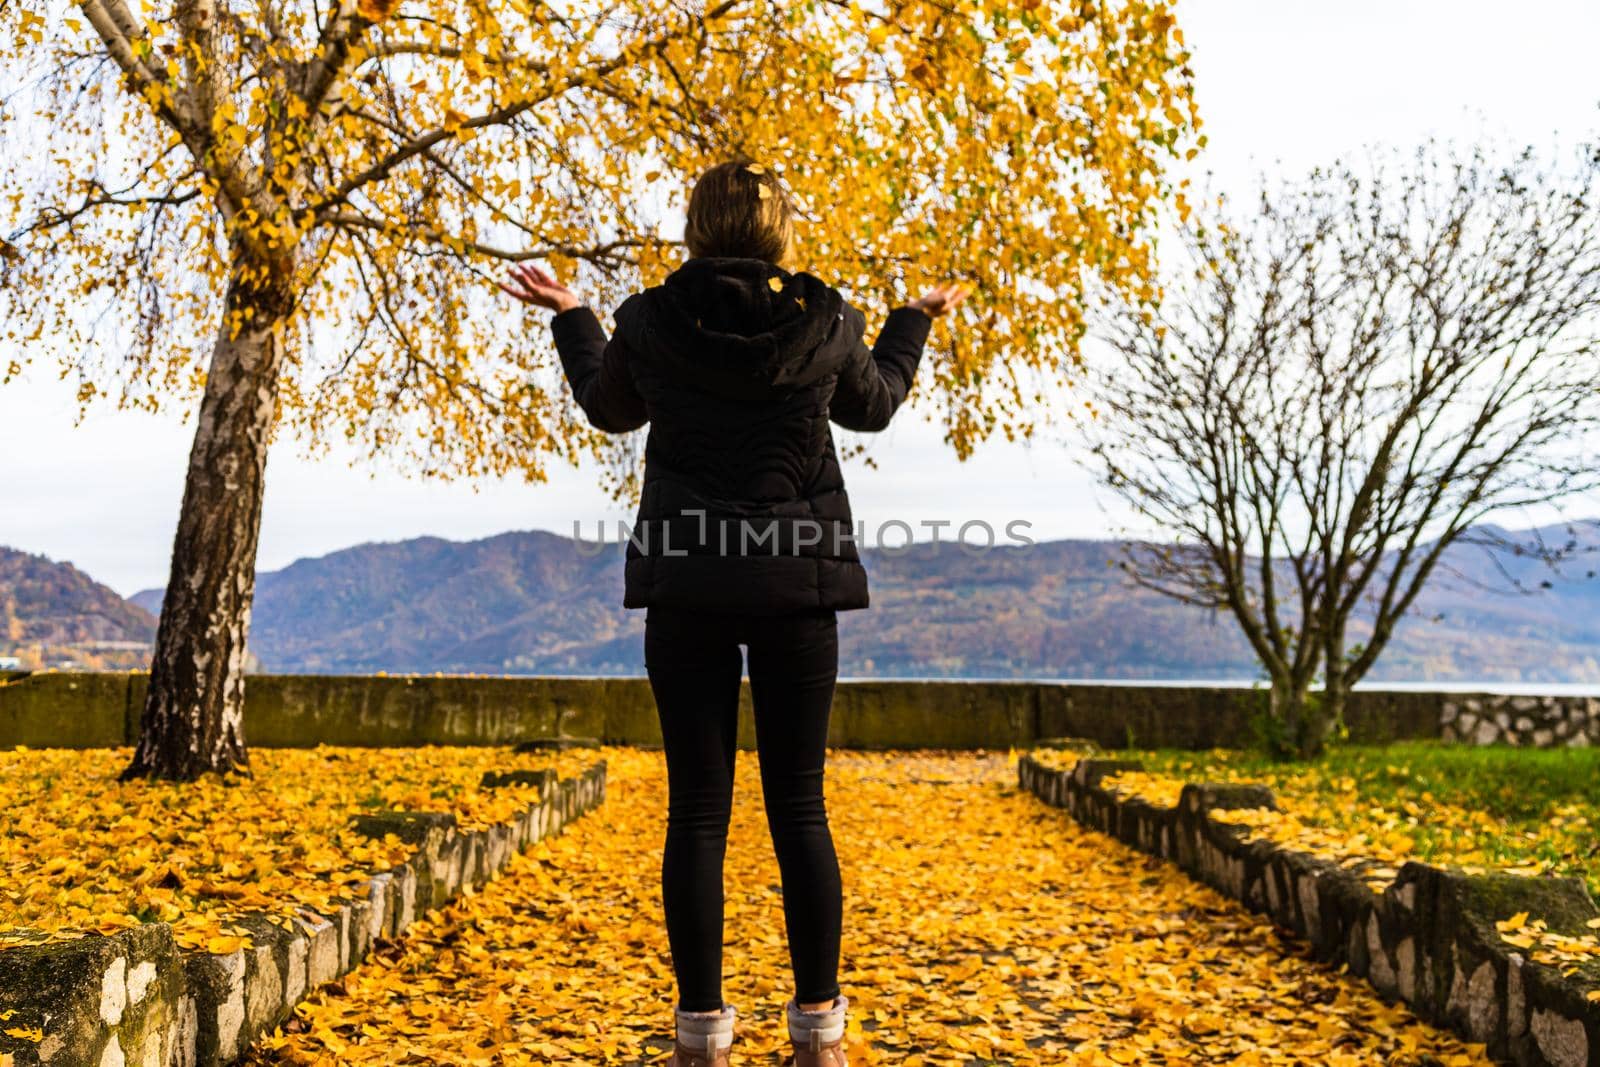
[379, 158]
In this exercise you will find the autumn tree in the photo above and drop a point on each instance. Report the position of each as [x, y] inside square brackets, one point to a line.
[289, 213]
[1345, 378]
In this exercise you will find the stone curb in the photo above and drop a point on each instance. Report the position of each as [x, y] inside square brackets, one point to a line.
[1428, 939]
[134, 999]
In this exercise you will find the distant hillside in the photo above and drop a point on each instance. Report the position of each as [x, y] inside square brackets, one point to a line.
[532, 603]
[519, 602]
[53, 613]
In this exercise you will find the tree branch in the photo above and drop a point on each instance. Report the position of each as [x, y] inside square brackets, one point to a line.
[339, 33]
[122, 34]
[422, 142]
[604, 254]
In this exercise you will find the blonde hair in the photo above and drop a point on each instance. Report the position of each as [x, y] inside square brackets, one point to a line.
[739, 209]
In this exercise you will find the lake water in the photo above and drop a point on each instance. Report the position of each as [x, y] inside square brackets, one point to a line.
[1509, 688]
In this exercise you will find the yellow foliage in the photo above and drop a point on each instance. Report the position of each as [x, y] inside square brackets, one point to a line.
[376, 10]
[1567, 953]
[357, 172]
[84, 853]
[965, 902]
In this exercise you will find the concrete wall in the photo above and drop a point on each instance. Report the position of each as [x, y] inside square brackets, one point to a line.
[96, 710]
[65, 710]
[1132, 716]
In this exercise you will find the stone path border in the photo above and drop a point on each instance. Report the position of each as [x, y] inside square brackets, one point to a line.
[134, 999]
[1428, 939]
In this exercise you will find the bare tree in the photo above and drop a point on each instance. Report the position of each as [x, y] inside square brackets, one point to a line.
[1341, 384]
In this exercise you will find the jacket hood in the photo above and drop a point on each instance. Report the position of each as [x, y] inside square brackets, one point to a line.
[741, 325]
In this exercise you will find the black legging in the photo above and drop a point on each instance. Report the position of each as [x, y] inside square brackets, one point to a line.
[694, 665]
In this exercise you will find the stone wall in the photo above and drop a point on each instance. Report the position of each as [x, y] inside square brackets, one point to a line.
[1428, 938]
[1528, 721]
[134, 998]
[79, 710]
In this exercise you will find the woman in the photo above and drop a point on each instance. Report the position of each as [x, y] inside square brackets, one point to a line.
[743, 538]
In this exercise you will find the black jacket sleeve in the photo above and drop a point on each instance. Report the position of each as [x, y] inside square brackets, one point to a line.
[598, 372]
[874, 383]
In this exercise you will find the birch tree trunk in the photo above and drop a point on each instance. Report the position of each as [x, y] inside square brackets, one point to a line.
[193, 717]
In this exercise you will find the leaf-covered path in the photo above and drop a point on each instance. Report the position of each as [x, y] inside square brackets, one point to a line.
[981, 928]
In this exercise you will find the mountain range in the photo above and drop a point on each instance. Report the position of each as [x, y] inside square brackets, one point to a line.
[538, 603]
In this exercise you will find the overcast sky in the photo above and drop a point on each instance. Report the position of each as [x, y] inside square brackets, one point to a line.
[1283, 85]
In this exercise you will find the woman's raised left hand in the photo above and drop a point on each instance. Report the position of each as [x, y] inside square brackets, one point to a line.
[534, 285]
[941, 299]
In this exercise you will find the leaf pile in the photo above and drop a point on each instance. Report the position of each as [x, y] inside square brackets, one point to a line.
[980, 928]
[82, 852]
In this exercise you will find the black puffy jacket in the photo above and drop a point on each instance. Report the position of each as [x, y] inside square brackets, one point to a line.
[738, 365]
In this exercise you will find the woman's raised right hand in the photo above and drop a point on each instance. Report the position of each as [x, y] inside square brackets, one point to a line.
[531, 285]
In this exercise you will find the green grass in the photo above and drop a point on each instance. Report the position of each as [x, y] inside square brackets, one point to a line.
[1478, 806]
